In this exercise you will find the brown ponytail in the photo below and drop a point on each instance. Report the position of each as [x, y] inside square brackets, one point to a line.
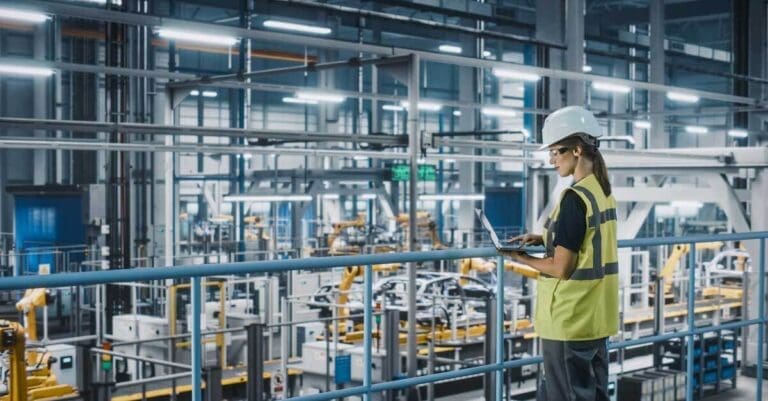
[601, 172]
[592, 153]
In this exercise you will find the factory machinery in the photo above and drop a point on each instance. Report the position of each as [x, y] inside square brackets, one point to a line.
[308, 324]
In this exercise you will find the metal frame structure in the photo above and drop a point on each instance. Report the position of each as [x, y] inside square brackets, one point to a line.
[152, 21]
[410, 60]
[499, 364]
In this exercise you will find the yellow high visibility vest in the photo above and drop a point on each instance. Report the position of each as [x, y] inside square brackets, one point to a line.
[586, 305]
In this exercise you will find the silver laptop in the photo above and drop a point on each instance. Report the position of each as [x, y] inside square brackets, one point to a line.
[495, 238]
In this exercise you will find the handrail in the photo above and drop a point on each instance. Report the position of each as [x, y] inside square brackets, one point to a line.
[176, 272]
[272, 266]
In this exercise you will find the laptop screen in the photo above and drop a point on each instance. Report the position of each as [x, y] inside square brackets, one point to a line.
[488, 227]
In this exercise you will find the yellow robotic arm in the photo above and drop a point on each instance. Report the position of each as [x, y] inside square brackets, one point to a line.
[33, 298]
[348, 278]
[12, 340]
[340, 226]
[482, 265]
[425, 223]
[678, 252]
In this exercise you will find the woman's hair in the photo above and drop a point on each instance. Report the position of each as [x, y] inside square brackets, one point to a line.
[591, 152]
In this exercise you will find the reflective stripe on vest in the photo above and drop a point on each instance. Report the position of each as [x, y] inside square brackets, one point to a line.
[597, 241]
[595, 221]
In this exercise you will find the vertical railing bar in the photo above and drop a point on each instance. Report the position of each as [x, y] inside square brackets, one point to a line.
[691, 321]
[367, 330]
[499, 326]
[196, 341]
[761, 327]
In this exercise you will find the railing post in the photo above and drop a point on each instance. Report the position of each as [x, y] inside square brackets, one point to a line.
[197, 360]
[499, 326]
[761, 327]
[392, 346]
[213, 391]
[255, 339]
[367, 330]
[490, 346]
[691, 321]
[658, 323]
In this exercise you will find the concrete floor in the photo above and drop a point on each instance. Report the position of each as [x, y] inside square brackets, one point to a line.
[745, 391]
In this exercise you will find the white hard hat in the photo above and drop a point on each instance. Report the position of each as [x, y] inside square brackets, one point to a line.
[567, 121]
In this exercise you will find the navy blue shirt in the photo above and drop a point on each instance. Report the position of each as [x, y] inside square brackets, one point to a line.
[571, 223]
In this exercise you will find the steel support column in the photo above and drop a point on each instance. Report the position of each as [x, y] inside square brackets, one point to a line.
[41, 161]
[755, 296]
[549, 27]
[574, 55]
[658, 137]
[414, 87]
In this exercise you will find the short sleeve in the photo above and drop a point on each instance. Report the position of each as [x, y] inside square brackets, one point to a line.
[571, 223]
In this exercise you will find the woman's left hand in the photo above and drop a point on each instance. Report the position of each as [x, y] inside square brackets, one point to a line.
[516, 255]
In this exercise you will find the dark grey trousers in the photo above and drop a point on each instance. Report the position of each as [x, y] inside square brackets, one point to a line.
[574, 371]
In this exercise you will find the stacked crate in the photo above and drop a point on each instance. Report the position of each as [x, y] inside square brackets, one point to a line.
[714, 360]
[652, 385]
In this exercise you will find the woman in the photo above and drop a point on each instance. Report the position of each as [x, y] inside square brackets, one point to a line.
[577, 290]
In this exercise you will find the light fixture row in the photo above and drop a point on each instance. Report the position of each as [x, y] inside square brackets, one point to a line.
[695, 129]
[256, 198]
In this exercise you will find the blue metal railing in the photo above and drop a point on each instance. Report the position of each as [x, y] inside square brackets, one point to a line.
[195, 272]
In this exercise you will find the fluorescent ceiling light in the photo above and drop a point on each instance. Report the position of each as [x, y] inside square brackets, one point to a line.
[691, 204]
[426, 106]
[586, 68]
[195, 37]
[360, 158]
[682, 97]
[449, 160]
[450, 49]
[430, 106]
[7, 69]
[321, 97]
[696, 129]
[498, 112]
[14, 15]
[290, 26]
[438, 197]
[738, 133]
[220, 219]
[517, 184]
[642, 124]
[205, 93]
[487, 54]
[267, 198]
[521, 76]
[606, 87]
[392, 107]
[297, 100]
[457, 113]
[332, 196]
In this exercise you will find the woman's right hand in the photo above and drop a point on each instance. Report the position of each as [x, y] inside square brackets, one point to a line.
[527, 239]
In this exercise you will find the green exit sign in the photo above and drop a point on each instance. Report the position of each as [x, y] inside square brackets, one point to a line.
[402, 172]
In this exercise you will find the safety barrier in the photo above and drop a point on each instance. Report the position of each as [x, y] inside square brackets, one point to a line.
[196, 272]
